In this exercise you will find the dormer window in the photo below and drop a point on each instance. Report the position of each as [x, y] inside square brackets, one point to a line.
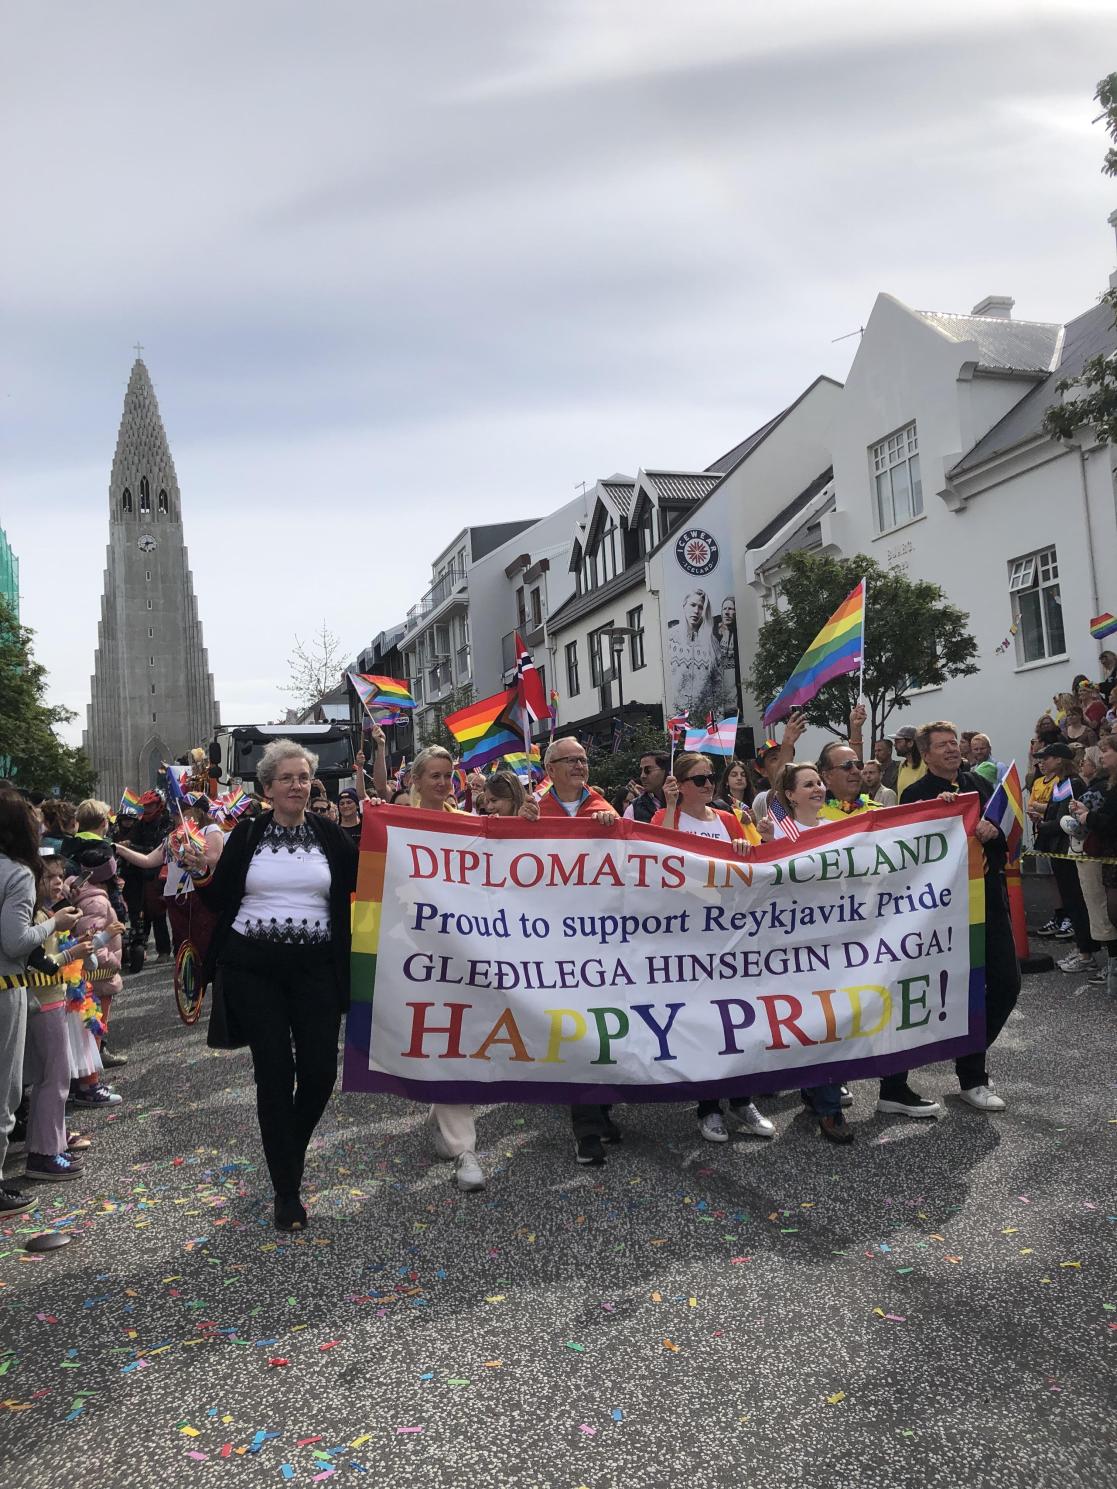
[164, 504]
[126, 500]
[145, 495]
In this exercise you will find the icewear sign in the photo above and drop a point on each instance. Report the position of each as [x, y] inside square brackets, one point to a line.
[495, 961]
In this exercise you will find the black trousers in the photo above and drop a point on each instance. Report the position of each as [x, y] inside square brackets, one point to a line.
[1002, 988]
[289, 1007]
[146, 911]
[590, 1120]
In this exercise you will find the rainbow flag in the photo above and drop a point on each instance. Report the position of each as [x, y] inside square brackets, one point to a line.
[488, 729]
[1005, 809]
[232, 805]
[838, 648]
[380, 692]
[1103, 625]
[129, 804]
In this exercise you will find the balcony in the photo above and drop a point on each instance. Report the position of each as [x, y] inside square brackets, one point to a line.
[451, 586]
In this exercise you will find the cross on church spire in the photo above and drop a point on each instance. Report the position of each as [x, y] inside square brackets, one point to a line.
[138, 349]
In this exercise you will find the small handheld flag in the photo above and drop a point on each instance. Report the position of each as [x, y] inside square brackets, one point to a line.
[129, 804]
[1005, 809]
[488, 729]
[714, 739]
[1103, 625]
[786, 824]
[837, 649]
[380, 692]
[1062, 791]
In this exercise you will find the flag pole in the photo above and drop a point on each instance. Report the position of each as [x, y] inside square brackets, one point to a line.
[864, 625]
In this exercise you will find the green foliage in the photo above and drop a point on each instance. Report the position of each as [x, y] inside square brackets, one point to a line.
[1095, 403]
[31, 753]
[610, 772]
[914, 638]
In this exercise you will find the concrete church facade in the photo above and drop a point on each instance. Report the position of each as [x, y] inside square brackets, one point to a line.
[152, 692]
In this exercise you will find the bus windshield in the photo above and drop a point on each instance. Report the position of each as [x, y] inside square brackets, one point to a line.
[335, 757]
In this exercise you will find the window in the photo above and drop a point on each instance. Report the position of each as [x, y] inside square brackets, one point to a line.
[153, 718]
[150, 632]
[126, 501]
[536, 607]
[153, 687]
[897, 486]
[148, 576]
[635, 622]
[151, 661]
[597, 667]
[572, 684]
[1033, 583]
[149, 604]
[521, 607]
[164, 505]
[145, 495]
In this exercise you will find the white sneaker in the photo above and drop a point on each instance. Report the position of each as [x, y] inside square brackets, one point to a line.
[712, 1128]
[749, 1119]
[467, 1172]
[1077, 961]
[983, 1099]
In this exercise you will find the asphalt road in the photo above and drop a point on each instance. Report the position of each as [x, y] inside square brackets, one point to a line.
[935, 1305]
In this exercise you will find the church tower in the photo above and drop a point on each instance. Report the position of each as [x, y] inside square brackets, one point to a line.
[152, 693]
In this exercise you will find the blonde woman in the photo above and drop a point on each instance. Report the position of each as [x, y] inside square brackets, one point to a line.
[453, 1130]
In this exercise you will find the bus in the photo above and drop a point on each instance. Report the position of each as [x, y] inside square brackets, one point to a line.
[236, 749]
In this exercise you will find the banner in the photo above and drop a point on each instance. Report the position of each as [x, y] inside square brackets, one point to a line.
[699, 616]
[500, 960]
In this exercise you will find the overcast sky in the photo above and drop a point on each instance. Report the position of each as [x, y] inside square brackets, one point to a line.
[399, 268]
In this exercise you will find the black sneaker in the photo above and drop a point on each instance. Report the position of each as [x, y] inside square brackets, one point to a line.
[13, 1201]
[908, 1103]
[289, 1213]
[1047, 930]
[611, 1133]
[1065, 931]
[589, 1149]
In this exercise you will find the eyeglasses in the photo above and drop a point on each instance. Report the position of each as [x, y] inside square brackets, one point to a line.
[302, 780]
[698, 780]
[568, 760]
[321, 808]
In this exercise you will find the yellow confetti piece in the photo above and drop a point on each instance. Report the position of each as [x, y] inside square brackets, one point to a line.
[1027, 1251]
[879, 1312]
[674, 1348]
[359, 1442]
[190, 1432]
[1071, 1264]
[496, 1298]
[657, 1297]
[692, 1302]
[493, 1364]
[836, 1397]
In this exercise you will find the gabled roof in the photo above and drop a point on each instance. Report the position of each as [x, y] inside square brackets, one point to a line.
[1090, 335]
[619, 490]
[579, 605]
[1003, 345]
[680, 486]
[793, 508]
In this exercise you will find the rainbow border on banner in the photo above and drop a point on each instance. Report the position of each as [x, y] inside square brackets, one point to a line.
[367, 911]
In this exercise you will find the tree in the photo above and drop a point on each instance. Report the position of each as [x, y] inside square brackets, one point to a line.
[1095, 404]
[31, 753]
[914, 638]
[610, 772]
[316, 666]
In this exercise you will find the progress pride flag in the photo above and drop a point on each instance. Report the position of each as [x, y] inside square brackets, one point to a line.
[500, 960]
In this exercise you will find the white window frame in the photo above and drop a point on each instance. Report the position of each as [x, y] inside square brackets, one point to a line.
[1037, 574]
[897, 450]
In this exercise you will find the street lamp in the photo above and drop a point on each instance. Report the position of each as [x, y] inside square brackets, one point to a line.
[617, 636]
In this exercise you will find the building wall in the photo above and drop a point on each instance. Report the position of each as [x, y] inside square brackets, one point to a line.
[643, 685]
[905, 371]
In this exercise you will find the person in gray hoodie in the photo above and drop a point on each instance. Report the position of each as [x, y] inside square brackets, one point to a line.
[20, 867]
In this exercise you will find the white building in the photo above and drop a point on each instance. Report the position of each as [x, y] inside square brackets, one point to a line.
[941, 467]
[436, 640]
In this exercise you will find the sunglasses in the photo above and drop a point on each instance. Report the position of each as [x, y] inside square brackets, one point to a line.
[699, 780]
[848, 765]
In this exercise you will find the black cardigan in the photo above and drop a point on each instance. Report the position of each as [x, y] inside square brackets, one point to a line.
[224, 892]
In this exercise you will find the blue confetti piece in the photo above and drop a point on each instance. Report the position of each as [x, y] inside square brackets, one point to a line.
[287, 1471]
[616, 1414]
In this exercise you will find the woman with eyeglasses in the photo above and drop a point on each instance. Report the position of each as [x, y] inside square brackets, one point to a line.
[689, 793]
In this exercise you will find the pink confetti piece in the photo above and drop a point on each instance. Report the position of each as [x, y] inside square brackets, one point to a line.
[895, 1318]
[409, 1429]
[198, 1457]
[588, 1430]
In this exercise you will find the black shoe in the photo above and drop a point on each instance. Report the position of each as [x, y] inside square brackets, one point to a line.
[904, 1102]
[589, 1150]
[836, 1128]
[611, 1133]
[13, 1201]
[289, 1213]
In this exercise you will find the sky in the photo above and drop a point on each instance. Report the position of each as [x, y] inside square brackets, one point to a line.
[399, 268]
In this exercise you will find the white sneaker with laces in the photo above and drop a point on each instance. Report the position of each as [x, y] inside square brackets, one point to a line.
[712, 1128]
[467, 1172]
[749, 1119]
[1077, 961]
[983, 1099]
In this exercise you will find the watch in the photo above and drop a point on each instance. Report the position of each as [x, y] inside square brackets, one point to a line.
[147, 544]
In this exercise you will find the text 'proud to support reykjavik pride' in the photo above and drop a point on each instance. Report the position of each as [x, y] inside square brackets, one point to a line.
[857, 952]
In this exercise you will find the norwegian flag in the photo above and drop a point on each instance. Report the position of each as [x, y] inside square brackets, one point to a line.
[529, 685]
[786, 824]
[677, 726]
